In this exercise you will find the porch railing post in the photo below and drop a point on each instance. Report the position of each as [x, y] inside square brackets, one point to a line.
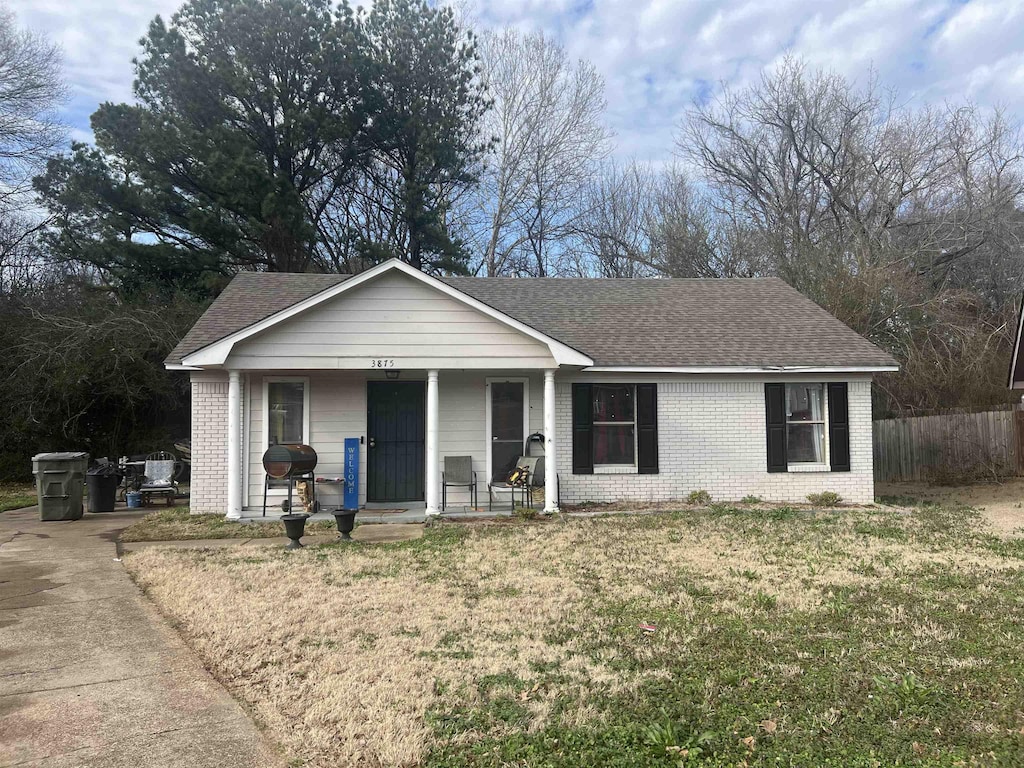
[432, 468]
[234, 445]
[550, 446]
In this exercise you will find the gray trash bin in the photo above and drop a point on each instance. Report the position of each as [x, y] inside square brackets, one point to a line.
[59, 481]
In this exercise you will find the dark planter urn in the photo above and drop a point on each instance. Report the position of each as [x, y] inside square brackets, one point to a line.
[346, 520]
[294, 527]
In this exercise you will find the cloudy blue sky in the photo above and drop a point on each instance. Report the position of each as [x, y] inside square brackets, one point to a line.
[656, 56]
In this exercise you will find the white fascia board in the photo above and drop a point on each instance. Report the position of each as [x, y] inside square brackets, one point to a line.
[180, 367]
[217, 352]
[745, 369]
[1016, 347]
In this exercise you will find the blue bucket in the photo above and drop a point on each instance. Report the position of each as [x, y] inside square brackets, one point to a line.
[134, 499]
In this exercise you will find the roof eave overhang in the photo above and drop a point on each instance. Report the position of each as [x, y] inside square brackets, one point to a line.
[216, 354]
[765, 369]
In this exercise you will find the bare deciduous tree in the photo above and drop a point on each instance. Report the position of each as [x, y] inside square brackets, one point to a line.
[641, 220]
[904, 222]
[614, 230]
[548, 121]
[841, 175]
[31, 90]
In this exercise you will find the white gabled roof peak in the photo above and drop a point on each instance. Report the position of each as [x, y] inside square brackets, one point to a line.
[216, 353]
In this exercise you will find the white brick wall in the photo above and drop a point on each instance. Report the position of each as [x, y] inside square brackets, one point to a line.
[208, 491]
[711, 436]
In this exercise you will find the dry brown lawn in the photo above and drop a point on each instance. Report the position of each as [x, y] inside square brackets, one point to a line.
[1001, 504]
[483, 639]
[178, 524]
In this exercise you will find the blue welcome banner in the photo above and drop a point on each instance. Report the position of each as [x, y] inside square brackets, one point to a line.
[351, 467]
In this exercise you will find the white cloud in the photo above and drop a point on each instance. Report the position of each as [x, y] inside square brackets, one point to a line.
[978, 53]
[656, 55]
[99, 38]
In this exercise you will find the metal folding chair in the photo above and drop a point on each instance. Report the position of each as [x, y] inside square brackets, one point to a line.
[458, 473]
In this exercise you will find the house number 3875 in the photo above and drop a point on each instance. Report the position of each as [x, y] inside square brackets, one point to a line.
[382, 363]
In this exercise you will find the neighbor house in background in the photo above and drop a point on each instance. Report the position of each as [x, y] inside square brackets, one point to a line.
[1017, 357]
[643, 389]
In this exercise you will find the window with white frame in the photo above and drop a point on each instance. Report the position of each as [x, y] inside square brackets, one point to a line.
[614, 425]
[286, 412]
[805, 423]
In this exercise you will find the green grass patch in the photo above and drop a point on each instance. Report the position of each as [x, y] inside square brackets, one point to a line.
[16, 496]
[910, 665]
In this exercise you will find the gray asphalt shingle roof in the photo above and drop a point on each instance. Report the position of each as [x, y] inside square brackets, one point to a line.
[652, 322]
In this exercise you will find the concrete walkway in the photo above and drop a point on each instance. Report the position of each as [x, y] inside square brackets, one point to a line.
[90, 674]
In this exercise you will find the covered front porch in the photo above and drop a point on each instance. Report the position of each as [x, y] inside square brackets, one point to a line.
[392, 368]
[403, 426]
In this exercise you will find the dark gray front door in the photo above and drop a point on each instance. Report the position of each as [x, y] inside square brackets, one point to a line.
[395, 447]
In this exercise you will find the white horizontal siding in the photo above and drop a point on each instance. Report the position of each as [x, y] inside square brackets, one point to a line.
[462, 400]
[337, 409]
[292, 363]
[396, 318]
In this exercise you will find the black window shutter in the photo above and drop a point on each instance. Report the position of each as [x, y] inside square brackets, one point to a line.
[647, 429]
[775, 411]
[839, 427]
[582, 430]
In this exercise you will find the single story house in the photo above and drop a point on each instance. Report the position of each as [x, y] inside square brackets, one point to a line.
[642, 389]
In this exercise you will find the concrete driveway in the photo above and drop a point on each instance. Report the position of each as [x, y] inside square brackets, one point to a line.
[90, 674]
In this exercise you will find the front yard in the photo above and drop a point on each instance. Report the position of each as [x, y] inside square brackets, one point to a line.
[783, 637]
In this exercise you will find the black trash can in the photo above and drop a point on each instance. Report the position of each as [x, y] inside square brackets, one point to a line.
[101, 482]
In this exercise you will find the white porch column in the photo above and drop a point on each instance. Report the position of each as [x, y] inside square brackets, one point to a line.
[433, 471]
[550, 448]
[234, 445]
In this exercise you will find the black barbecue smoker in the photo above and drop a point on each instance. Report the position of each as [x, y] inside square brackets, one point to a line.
[292, 463]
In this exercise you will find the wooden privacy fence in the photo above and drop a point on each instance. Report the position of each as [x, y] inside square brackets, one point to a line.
[950, 448]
